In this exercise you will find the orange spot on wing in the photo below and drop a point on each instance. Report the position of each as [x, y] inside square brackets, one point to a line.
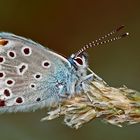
[3, 42]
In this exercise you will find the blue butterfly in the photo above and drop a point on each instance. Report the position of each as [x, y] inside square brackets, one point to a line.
[32, 76]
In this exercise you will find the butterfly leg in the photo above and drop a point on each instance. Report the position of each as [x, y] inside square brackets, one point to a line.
[91, 77]
[60, 93]
[59, 109]
[90, 99]
[94, 77]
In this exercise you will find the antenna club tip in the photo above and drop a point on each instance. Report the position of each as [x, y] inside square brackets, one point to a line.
[125, 34]
[120, 27]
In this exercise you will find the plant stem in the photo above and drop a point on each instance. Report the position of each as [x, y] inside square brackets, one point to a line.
[117, 106]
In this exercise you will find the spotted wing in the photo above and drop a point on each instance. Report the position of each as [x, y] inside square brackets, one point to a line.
[31, 76]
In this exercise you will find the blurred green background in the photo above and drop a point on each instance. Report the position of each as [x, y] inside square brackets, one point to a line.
[65, 26]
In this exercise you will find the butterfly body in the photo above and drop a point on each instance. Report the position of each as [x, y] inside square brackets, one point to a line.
[32, 76]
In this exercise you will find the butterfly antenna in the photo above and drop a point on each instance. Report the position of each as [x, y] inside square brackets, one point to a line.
[102, 40]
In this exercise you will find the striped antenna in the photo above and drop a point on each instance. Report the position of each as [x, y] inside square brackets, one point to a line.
[102, 40]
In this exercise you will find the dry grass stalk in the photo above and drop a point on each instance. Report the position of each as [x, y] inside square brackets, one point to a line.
[114, 105]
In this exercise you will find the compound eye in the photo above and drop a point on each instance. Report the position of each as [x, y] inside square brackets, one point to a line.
[78, 61]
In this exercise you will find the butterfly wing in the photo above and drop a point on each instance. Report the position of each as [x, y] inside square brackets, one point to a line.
[31, 76]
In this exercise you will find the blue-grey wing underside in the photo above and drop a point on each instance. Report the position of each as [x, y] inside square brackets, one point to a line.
[31, 76]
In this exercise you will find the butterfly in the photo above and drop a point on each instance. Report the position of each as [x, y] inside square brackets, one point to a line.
[32, 76]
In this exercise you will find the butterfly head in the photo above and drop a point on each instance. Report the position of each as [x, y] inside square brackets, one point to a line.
[79, 61]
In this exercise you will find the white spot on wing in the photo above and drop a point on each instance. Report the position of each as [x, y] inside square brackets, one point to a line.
[26, 51]
[32, 86]
[9, 82]
[38, 76]
[11, 54]
[22, 68]
[2, 74]
[2, 59]
[19, 100]
[46, 64]
[6, 94]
